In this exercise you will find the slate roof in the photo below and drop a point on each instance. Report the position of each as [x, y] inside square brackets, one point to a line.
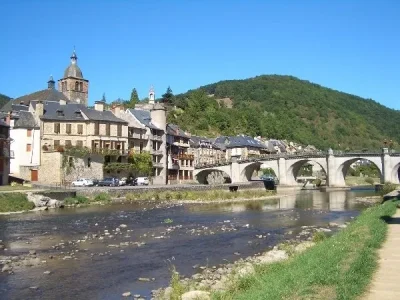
[198, 141]
[43, 95]
[239, 141]
[144, 117]
[174, 130]
[72, 112]
[73, 71]
[25, 119]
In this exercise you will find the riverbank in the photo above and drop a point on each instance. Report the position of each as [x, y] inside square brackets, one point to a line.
[339, 267]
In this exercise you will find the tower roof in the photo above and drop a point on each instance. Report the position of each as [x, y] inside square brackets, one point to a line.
[73, 70]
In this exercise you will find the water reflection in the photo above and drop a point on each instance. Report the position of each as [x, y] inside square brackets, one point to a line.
[200, 234]
[332, 201]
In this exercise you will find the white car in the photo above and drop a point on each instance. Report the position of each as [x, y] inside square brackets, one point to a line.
[122, 181]
[142, 181]
[82, 182]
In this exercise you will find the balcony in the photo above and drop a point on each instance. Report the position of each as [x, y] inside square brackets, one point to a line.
[5, 152]
[183, 156]
[158, 164]
[157, 152]
[156, 137]
[181, 144]
[139, 136]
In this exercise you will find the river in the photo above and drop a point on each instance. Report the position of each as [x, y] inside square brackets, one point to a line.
[182, 235]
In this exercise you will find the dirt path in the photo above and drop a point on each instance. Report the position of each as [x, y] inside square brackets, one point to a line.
[386, 281]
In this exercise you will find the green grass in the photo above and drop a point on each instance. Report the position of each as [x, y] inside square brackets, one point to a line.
[10, 202]
[339, 267]
[102, 197]
[356, 180]
[200, 195]
[76, 200]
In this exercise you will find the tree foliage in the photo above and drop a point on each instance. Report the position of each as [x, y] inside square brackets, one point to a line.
[285, 107]
[133, 100]
[168, 96]
[142, 163]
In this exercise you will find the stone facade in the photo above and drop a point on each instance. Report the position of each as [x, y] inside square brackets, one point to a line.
[75, 89]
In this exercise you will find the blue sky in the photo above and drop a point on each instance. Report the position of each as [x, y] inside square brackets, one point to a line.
[351, 46]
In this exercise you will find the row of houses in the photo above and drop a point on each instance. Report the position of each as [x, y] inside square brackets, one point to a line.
[51, 136]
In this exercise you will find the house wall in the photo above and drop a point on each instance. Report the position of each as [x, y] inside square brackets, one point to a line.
[22, 157]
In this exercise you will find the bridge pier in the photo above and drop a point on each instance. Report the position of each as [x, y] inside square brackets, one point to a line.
[235, 171]
[386, 167]
[282, 171]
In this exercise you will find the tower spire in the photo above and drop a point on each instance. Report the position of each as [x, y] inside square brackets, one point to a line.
[151, 95]
[74, 58]
[51, 83]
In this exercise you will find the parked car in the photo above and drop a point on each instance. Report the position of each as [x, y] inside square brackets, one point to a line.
[131, 181]
[82, 182]
[95, 182]
[109, 181]
[142, 181]
[122, 181]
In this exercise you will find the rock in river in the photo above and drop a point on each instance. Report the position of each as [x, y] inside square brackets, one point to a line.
[196, 295]
[126, 294]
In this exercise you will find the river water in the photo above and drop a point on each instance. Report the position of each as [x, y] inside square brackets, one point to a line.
[179, 235]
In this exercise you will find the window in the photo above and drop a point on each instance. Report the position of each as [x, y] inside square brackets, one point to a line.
[79, 144]
[71, 162]
[80, 129]
[108, 126]
[56, 127]
[81, 86]
[56, 143]
[96, 128]
[60, 113]
[89, 161]
[68, 143]
[76, 85]
[68, 129]
[29, 132]
[28, 147]
[119, 130]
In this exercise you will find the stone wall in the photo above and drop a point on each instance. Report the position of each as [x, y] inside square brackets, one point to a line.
[25, 172]
[50, 168]
[120, 192]
[82, 169]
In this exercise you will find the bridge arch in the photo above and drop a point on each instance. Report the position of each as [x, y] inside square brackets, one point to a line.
[343, 166]
[248, 169]
[203, 176]
[395, 176]
[294, 166]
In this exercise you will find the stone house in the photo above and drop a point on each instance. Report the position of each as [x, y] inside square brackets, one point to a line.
[25, 132]
[205, 151]
[146, 132]
[242, 146]
[180, 160]
[5, 154]
[101, 136]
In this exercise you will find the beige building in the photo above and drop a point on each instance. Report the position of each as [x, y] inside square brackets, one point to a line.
[146, 132]
[97, 136]
[180, 160]
[206, 152]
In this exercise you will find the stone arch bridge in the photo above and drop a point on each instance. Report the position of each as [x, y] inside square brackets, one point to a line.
[287, 166]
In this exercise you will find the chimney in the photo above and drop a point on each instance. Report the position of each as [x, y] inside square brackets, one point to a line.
[99, 105]
[39, 109]
[63, 102]
[116, 109]
[8, 118]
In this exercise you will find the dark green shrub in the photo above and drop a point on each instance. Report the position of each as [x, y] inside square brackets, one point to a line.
[14, 202]
[102, 197]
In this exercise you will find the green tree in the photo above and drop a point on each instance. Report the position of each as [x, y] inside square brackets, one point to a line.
[133, 100]
[168, 96]
[142, 163]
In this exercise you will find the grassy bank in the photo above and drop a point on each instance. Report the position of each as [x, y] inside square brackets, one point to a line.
[356, 180]
[10, 202]
[82, 200]
[340, 267]
[200, 195]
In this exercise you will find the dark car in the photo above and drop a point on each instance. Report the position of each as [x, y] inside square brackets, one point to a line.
[108, 182]
[131, 181]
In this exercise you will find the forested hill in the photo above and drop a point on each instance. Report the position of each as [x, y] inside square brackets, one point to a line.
[285, 107]
[3, 100]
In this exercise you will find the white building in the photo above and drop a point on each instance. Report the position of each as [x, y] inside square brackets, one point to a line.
[25, 133]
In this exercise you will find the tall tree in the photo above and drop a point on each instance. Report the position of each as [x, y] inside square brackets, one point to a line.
[168, 97]
[134, 99]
